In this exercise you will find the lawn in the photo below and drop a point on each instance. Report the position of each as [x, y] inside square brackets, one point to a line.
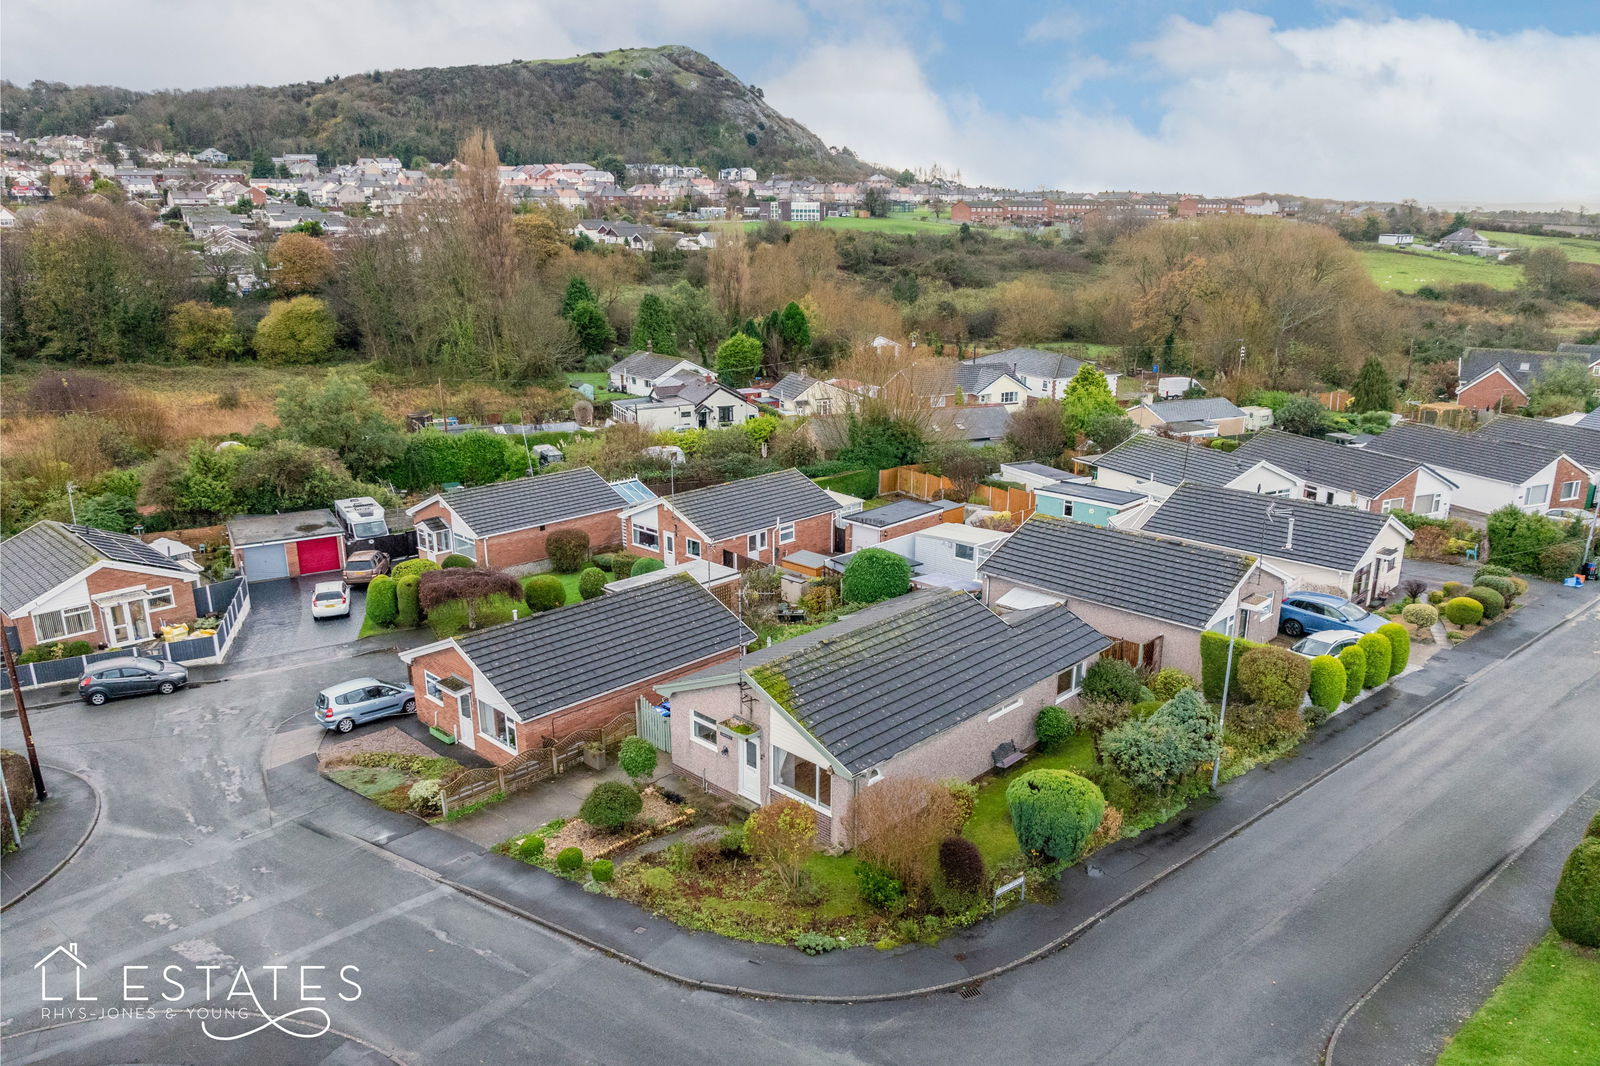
[601, 383]
[1579, 251]
[1409, 271]
[1545, 1013]
[569, 584]
[990, 824]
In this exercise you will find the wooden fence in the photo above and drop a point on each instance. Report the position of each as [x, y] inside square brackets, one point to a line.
[529, 768]
[914, 482]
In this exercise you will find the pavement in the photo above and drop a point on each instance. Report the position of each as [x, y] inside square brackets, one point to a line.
[61, 825]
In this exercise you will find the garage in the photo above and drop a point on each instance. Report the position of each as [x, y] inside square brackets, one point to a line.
[264, 562]
[317, 556]
[269, 547]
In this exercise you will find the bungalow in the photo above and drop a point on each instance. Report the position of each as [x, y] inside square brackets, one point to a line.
[509, 689]
[1491, 473]
[741, 523]
[1040, 372]
[507, 523]
[1152, 596]
[1203, 416]
[1035, 475]
[638, 373]
[1154, 466]
[76, 583]
[945, 556]
[1319, 547]
[864, 528]
[1499, 379]
[1577, 440]
[1353, 477]
[685, 402]
[927, 685]
[1083, 502]
[800, 394]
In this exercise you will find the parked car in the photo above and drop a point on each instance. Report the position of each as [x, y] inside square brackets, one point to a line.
[131, 675]
[346, 705]
[330, 599]
[1326, 642]
[362, 567]
[1312, 612]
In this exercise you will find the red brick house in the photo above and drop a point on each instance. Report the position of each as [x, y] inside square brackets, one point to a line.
[505, 524]
[1502, 379]
[72, 583]
[508, 689]
[740, 523]
[984, 212]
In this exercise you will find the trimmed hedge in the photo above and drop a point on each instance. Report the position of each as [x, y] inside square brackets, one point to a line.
[1111, 679]
[1399, 646]
[1354, 659]
[382, 603]
[1276, 677]
[1054, 812]
[591, 583]
[1494, 604]
[646, 565]
[1463, 612]
[610, 805]
[862, 483]
[408, 602]
[602, 870]
[544, 593]
[1328, 683]
[1489, 570]
[1213, 660]
[569, 860]
[456, 616]
[1379, 653]
[568, 550]
[412, 568]
[874, 574]
[1575, 910]
[1503, 585]
[457, 562]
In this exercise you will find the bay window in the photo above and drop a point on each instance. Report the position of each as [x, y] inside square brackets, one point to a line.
[801, 778]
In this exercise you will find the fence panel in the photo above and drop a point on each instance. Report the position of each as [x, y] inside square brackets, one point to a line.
[650, 724]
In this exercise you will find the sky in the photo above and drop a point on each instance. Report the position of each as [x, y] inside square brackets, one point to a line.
[1474, 102]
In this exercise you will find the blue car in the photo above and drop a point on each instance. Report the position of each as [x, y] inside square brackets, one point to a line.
[1312, 612]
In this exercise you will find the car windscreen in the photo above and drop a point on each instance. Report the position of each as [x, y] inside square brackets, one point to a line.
[332, 594]
[1351, 613]
[369, 529]
[360, 564]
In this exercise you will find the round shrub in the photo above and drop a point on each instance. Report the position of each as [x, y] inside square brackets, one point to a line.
[1379, 654]
[1489, 570]
[453, 561]
[1493, 603]
[1354, 659]
[610, 805]
[425, 793]
[1328, 684]
[1113, 680]
[637, 757]
[412, 568]
[1274, 676]
[568, 550]
[1452, 589]
[645, 566]
[1575, 911]
[1054, 812]
[1054, 727]
[408, 602]
[544, 593]
[591, 583]
[529, 849]
[1436, 597]
[621, 564]
[1168, 681]
[1463, 612]
[1503, 585]
[382, 603]
[569, 860]
[1399, 646]
[874, 574]
[961, 864]
[601, 870]
[1421, 615]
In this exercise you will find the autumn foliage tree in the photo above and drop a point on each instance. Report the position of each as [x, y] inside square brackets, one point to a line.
[899, 823]
[299, 262]
[781, 834]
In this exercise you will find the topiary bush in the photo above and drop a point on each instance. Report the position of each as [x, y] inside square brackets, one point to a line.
[637, 757]
[1168, 682]
[568, 550]
[1274, 676]
[645, 566]
[1214, 661]
[1489, 570]
[610, 805]
[408, 602]
[412, 568]
[1575, 910]
[1053, 813]
[1463, 612]
[529, 849]
[621, 564]
[1053, 727]
[544, 593]
[875, 574]
[1493, 603]
[457, 562]
[1593, 831]
[1421, 615]
[570, 860]
[1113, 680]
[591, 583]
[1399, 646]
[961, 864]
[1379, 653]
[1503, 585]
[1328, 684]
[1437, 597]
[382, 604]
[1452, 589]
[601, 870]
[1354, 659]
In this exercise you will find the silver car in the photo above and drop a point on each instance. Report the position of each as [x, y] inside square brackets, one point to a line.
[349, 703]
[1326, 642]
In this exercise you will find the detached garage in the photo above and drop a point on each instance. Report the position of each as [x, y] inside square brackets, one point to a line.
[286, 545]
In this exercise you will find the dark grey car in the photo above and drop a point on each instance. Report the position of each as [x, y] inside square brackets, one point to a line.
[131, 675]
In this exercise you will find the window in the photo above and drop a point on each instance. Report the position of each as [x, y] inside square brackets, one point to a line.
[1008, 397]
[983, 398]
[425, 541]
[801, 778]
[1569, 489]
[159, 600]
[704, 729]
[644, 536]
[1536, 494]
[1068, 682]
[430, 684]
[938, 401]
[1427, 504]
[1007, 709]
[53, 625]
[786, 533]
[691, 547]
[725, 415]
[465, 545]
[496, 724]
[756, 542]
[1391, 505]
[964, 551]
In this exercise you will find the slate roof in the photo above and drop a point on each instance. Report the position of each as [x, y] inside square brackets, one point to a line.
[533, 501]
[1139, 572]
[893, 514]
[752, 503]
[1171, 462]
[1577, 442]
[1590, 420]
[45, 554]
[555, 659]
[973, 378]
[1198, 409]
[1470, 453]
[1360, 470]
[886, 678]
[1041, 470]
[974, 423]
[645, 365]
[790, 386]
[1079, 490]
[1590, 352]
[288, 525]
[1031, 362]
[1476, 362]
[1323, 535]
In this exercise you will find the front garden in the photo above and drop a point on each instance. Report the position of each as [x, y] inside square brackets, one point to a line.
[394, 780]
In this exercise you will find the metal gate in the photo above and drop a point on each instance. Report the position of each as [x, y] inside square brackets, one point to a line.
[652, 725]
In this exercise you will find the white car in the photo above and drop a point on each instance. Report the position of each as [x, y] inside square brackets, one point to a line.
[330, 599]
[1326, 642]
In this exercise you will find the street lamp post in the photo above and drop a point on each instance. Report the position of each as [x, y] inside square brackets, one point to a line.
[1227, 676]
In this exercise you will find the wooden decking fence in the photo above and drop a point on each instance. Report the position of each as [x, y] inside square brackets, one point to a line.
[530, 767]
[913, 481]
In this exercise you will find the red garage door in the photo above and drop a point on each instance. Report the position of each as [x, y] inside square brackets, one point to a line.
[319, 555]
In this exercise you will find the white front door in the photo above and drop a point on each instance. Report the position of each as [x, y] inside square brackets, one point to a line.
[669, 545]
[127, 623]
[750, 768]
[464, 718]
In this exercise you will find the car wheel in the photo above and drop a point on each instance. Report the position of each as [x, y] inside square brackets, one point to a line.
[408, 707]
[167, 688]
[346, 724]
[97, 698]
[1293, 628]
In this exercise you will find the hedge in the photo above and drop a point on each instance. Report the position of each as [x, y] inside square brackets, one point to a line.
[1054, 812]
[453, 616]
[1354, 659]
[1379, 653]
[1493, 603]
[413, 568]
[1168, 681]
[1273, 676]
[408, 602]
[1503, 585]
[874, 574]
[382, 603]
[1213, 657]
[1399, 646]
[454, 561]
[1575, 910]
[1053, 727]
[544, 592]
[1113, 680]
[1463, 612]
[1328, 683]
[862, 483]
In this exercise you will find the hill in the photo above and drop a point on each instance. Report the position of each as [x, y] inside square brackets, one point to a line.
[667, 104]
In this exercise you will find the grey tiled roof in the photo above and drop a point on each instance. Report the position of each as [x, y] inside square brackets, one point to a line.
[975, 423]
[752, 503]
[1171, 462]
[533, 501]
[1590, 420]
[1470, 453]
[973, 378]
[791, 386]
[1032, 362]
[1360, 470]
[900, 672]
[1476, 362]
[1078, 490]
[558, 658]
[45, 554]
[1589, 352]
[1581, 444]
[1323, 535]
[645, 365]
[1149, 575]
[1198, 409]
[893, 513]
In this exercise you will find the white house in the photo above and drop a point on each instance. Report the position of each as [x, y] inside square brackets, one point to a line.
[1490, 473]
[1398, 240]
[638, 374]
[693, 404]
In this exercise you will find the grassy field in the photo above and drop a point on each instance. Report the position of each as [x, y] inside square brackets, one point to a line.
[1545, 1013]
[1579, 251]
[600, 381]
[1409, 271]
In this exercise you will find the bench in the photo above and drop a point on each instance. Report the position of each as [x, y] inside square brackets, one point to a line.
[1007, 755]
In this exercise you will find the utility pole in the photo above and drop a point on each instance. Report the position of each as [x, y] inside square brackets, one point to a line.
[22, 716]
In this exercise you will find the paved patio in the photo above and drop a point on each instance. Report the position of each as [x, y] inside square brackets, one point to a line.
[523, 812]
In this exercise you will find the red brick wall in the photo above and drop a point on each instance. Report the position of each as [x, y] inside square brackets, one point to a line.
[109, 580]
[811, 534]
[933, 518]
[1566, 471]
[1492, 393]
[527, 545]
[1405, 488]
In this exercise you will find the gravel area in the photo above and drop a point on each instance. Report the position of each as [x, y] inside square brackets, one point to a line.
[580, 834]
[386, 740]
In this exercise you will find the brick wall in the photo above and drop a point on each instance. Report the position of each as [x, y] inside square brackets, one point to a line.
[810, 534]
[900, 529]
[1405, 489]
[1492, 393]
[109, 580]
[1566, 471]
[522, 546]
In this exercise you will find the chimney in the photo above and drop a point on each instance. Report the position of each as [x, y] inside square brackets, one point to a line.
[1288, 536]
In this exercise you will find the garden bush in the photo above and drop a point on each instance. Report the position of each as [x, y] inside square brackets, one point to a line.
[1274, 676]
[381, 602]
[1113, 680]
[1519, 584]
[610, 805]
[458, 616]
[816, 943]
[1436, 597]
[529, 849]
[1054, 812]
[1452, 589]
[568, 550]
[1489, 570]
[1099, 717]
[1053, 727]
[1379, 653]
[544, 593]
[898, 824]
[424, 795]
[961, 865]
[1593, 830]
[1328, 683]
[412, 568]
[875, 574]
[1168, 682]
[621, 564]
[1493, 603]
[408, 602]
[1261, 726]
[1575, 910]
[1421, 615]
[454, 561]
[645, 566]
[879, 888]
[1560, 561]
[1464, 612]
[1354, 659]
[782, 834]
[1214, 659]
[1503, 585]
[601, 870]
[731, 845]
[637, 757]
[1399, 646]
[591, 583]
[569, 860]
[964, 794]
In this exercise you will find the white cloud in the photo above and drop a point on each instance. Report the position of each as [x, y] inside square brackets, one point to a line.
[1357, 108]
[1061, 25]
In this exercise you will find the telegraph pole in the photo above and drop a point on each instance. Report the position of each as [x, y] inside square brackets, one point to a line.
[22, 717]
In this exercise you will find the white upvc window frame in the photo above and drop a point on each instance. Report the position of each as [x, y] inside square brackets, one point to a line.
[691, 547]
[1074, 675]
[86, 609]
[756, 542]
[697, 721]
[486, 729]
[1528, 494]
[1575, 486]
[1006, 709]
[1008, 397]
[775, 760]
[786, 534]
[1393, 504]
[430, 686]
[645, 536]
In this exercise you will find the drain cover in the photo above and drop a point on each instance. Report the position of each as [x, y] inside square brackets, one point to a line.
[971, 990]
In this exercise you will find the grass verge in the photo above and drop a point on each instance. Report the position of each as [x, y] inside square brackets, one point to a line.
[1545, 1013]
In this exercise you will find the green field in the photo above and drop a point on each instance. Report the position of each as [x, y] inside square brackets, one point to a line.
[1579, 251]
[1409, 271]
[1545, 1013]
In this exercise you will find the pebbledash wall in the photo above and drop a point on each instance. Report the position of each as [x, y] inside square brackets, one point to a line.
[524, 546]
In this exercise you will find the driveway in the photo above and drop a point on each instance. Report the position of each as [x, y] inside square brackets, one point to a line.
[280, 621]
